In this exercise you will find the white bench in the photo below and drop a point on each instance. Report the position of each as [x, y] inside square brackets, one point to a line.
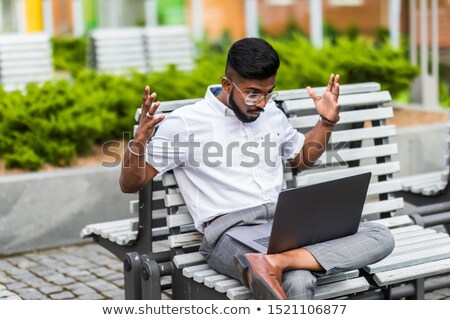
[121, 50]
[25, 58]
[364, 137]
[117, 51]
[170, 45]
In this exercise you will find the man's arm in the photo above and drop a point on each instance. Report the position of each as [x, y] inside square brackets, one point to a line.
[317, 138]
[136, 172]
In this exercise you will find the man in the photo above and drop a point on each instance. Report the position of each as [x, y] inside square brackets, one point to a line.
[233, 125]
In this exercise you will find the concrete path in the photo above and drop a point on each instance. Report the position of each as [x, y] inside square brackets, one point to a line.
[86, 272]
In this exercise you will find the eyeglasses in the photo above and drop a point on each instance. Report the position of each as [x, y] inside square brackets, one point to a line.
[255, 98]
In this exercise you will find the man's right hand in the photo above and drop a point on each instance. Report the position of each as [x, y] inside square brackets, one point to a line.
[136, 173]
[147, 121]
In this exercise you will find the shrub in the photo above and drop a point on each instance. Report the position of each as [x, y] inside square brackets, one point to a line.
[59, 120]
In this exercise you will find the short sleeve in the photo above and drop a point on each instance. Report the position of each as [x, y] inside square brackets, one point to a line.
[168, 148]
[293, 140]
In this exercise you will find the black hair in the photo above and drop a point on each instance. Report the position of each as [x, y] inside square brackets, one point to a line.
[253, 58]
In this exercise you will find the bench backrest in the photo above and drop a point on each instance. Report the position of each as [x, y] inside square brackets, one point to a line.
[360, 143]
[117, 50]
[169, 45]
[142, 49]
[25, 58]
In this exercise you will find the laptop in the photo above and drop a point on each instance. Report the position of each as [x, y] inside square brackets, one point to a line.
[308, 215]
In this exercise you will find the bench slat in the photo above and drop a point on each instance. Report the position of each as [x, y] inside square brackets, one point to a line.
[409, 259]
[200, 276]
[189, 259]
[346, 117]
[395, 222]
[316, 177]
[239, 293]
[343, 90]
[346, 155]
[354, 100]
[420, 246]
[413, 234]
[384, 187]
[362, 134]
[421, 238]
[223, 286]
[211, 281]
[176, 220]
[412, 272]
[185, 239]
[341, 288]
[382, 206]
[337, 277]
[173, 200]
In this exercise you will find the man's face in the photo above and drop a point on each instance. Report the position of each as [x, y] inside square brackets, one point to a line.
[236, 99]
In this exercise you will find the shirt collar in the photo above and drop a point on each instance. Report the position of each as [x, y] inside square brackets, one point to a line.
[215, 103]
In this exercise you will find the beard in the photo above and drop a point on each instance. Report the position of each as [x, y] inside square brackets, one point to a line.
[238, 112]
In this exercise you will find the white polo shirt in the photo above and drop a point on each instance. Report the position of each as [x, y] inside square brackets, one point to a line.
[221, 164]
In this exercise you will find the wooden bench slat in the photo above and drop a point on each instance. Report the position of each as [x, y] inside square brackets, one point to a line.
[211, 281]
[168, 180]
[417, 239]
[200, 276]
[354, 100]
[395, 222]
[188, 259]
[412, 272]
[346, 117]
[239, 293]
[384, 187]
[344, 89]
[185, 239]
[408, 259]
[341, 288]
[173, 200]
[413, 234]
[337, 277]
[89, 229]
[406, 229]
[382, 206]
[376, 169]
[362, 134]
[346, 155]
[223, 286]
[176, 220]
[430, 244]
[189, 272]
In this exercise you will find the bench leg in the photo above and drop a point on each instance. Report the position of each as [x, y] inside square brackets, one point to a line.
[151, 280]
[419, 289]
[132, 276]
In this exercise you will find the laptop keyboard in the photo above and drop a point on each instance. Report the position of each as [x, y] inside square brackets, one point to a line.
[264, 241]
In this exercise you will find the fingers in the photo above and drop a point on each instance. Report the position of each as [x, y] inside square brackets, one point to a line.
[335, 90]
[148, 105]
[311, 93]
[145, 96]
[331, 81]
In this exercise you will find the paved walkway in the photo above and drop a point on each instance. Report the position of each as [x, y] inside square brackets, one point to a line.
[86, 272]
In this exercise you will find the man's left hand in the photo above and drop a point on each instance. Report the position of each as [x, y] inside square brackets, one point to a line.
[327, 105]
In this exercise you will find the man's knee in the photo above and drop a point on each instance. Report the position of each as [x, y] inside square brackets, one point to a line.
[299, 284]
[382, 235]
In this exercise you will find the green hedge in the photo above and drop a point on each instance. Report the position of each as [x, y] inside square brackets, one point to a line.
[62, 119]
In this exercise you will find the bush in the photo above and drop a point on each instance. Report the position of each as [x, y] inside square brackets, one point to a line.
[62, 119]
[69, 53]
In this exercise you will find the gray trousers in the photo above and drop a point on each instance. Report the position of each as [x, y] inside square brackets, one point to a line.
[370, 244]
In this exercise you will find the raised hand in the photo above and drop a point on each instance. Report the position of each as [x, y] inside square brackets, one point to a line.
[148, 121]
[327, 105]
